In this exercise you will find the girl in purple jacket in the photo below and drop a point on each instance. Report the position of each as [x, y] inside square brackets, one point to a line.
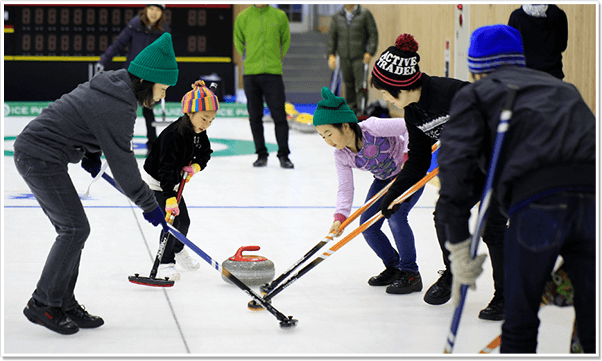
[380, 147]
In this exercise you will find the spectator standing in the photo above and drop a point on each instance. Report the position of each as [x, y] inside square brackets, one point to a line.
[545, 32]
[262, 37]
[353, 35]
[141, 31]
[545, 181]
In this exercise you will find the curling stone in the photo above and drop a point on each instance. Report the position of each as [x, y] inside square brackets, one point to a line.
[252, 270]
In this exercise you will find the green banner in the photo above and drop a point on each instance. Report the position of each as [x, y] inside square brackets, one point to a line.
[172, 109]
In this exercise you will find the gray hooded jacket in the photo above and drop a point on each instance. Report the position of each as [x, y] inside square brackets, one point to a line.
[97, 116]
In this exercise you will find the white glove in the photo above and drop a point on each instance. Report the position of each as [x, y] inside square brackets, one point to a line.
[464, 268]
[98, 67]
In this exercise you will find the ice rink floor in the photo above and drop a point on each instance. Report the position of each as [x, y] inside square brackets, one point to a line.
[232, 204]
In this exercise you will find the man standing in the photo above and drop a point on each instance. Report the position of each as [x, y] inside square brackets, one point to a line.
[544, 30]
[545, 181]
[262, 37]
[353, 35]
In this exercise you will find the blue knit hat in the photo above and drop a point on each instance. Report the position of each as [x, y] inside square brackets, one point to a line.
[333, 109]
[495, 45]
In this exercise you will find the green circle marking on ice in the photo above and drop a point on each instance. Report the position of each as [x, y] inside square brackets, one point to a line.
[233, 147]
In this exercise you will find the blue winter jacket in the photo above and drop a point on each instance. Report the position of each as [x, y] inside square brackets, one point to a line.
[136, 36]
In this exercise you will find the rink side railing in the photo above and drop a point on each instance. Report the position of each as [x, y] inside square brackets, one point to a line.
[172, 109]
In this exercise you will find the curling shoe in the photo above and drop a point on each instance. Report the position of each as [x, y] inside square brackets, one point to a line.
[53, 318]
[168, 270]
[385, 278]
[440, 291]
[261, 161]
[286, 163]
[406, 282]
[187, 262]
[83, 319]
[494, 311]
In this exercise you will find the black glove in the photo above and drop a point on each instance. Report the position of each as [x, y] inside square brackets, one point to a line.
[156, 217]
[389, 197]
[91, 163]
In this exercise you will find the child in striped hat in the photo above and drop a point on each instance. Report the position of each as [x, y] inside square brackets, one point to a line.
[182, 146]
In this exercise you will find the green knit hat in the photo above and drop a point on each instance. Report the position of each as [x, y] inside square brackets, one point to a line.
[157, 62]
[333, 109]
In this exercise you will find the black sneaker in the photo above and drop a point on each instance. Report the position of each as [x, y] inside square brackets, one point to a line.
[407, 282]
[261, 162]
[494, 311]
[385, 278]
[286, 163]
[52, 318]
[440, 291]
[83, 319]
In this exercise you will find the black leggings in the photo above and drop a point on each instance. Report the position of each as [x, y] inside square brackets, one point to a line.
[181, 223]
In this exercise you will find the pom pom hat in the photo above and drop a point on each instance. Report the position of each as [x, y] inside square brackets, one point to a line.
[495, 45]
[398, 65]
[157, 62]
[199, 98]
[333, 109]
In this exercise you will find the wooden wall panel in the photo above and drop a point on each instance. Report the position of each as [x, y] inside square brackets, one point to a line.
[433, 24]
[579, 59]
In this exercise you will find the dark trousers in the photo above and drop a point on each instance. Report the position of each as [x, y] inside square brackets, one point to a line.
[562, 223]
[51, 185]
[151, 133]
[353, 76]
[180, 222]
[271, 88]
[493, 236]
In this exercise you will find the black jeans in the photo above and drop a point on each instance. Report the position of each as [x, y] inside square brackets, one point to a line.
[562, 223]
[51, 184]
[270, 87]
[180, 222]
[151, 132]
[493, 237]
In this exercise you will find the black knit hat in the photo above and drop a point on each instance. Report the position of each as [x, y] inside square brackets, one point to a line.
[398, 65]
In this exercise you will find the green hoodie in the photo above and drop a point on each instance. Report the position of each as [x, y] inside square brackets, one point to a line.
[265, 35]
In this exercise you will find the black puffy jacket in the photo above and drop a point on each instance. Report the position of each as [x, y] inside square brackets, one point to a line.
[550, 143]
[176, 147]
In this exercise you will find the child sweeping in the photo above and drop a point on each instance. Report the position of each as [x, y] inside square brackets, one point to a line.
[181, 147]
[380, 147]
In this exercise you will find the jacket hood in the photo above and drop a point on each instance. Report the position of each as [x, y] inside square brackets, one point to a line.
[114, 83]
[549, 22]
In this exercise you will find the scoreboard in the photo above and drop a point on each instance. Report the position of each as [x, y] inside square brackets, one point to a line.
[51, 48]
[88, 30]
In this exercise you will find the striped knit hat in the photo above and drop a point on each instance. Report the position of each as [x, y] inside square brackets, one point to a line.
[398, 66]
[495, 45]
[199, 98]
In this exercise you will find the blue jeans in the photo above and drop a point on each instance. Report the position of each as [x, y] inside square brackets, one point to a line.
[405, 259]
[562, 223]
[54, 191]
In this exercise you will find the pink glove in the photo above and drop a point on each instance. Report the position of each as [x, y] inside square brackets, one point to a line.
[192, 170]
